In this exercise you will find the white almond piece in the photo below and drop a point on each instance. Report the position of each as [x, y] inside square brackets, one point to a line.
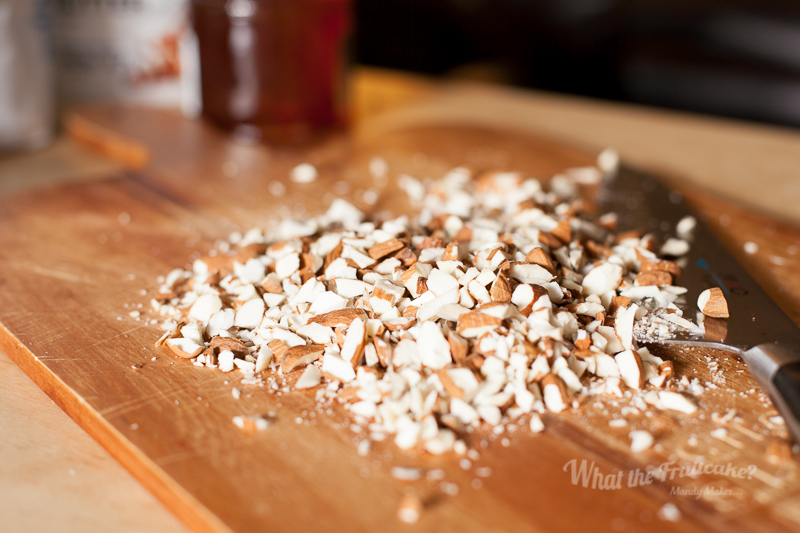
[434, 350]
[442, 443]
[623, 325]
[264, 358]
[338, 368]
[220, 322]
[273, 300]
[641, 440]
[287, 265]
[328, 301]
[602, 279]
[675, 402]
[250, 314]
[536, 425]
[310, 378]
[441, 283]
[351, 288]
[685, 228]
[353, 347]
[630, 369]
[205, 306]
[675, 247]
[479, 292]
[339, 269]
[317, 333]
[605, 366]
[225, 361]
[522, 296]
[490, 414]
[187, 346]
[530, 273]
[303, 173]
[463, 411]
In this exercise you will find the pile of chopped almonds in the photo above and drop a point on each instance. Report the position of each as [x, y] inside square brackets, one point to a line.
[500, 301]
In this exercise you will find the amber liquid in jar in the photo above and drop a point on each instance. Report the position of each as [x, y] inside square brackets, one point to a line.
[273, 70]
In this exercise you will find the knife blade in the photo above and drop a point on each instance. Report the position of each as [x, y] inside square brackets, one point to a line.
[757, 330]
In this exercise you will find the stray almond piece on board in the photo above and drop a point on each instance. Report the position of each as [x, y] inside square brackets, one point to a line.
[712, 303]
[778, 451]
[410, 509]
[385, 248]
[299, 356]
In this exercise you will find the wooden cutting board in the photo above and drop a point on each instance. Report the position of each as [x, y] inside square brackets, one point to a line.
[74, 260]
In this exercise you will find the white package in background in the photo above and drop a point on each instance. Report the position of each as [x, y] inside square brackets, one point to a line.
[27, 107]
[120, 50]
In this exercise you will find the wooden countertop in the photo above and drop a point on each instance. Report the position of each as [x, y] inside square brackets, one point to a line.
[47, 458]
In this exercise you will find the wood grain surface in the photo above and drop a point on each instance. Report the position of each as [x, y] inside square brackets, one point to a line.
[72, 266]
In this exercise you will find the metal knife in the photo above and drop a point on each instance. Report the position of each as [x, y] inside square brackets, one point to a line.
[757, 330]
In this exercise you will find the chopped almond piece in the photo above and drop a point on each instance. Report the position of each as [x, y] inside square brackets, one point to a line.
[501, 289]
[410, 311]
[556, 396]
[406, 257]
[459, 347]
[630, 369]
[712, 303]
[299, 356]
[563, 231]
[385, 248]
[184, 348]
[616, 303]
[353, 346]
[464, 234]
[474, 324]
[654, 277]
[228, 343]
[583, 344]
[539, 257]
[450, 252]
[333, 255]
[278, 348]
[341, 317]
[551, 241]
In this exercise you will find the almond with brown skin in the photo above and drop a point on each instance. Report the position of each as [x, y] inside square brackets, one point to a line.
[341, 317]
[450, 252]
[278, 348]
[537, 256]
[385, 248]
[712, 303]
[501, 289]
[654, 277]
[300, 356]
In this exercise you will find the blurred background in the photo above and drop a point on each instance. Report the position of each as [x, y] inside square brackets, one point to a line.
[733, 58]
[736, 58]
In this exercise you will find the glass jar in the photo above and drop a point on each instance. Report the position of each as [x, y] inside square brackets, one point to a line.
[273, 70]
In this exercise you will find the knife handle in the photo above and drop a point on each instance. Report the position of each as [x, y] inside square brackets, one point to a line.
[777, 369]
